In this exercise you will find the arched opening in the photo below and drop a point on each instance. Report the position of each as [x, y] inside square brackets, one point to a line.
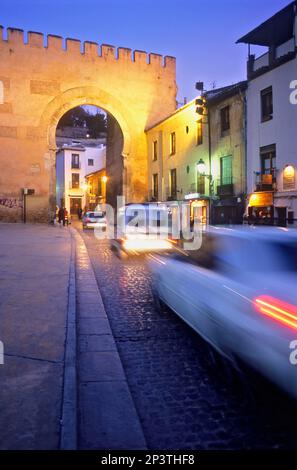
[89, 166]
[126, 123]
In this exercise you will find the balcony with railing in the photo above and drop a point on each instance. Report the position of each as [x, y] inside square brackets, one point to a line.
[191, 189]
[286, 48]
[265, 182]
[274, 56]
[75, 165]
[152, 197]
[171, 194]
[75, 185]
[225, 186]
[261, 61]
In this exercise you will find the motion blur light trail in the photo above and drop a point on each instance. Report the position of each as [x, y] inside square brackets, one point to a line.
[280, 311]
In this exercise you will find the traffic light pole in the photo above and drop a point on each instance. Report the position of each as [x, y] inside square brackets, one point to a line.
[202, 106]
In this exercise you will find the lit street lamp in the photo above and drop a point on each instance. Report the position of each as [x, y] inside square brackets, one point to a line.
[201, 167]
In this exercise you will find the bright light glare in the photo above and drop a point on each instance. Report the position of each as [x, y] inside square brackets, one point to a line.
[145, 244]
[278, 310]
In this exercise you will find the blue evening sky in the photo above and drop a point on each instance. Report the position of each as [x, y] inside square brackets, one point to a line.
[201, 34]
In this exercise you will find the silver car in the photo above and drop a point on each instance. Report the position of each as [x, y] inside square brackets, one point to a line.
[239, 292]
[94, 219]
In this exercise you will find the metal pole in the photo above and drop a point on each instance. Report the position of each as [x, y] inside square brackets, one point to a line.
[209, 161]
[25, 208]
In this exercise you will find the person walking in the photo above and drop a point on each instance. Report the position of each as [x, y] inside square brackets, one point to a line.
[65, 219]
[61, 216]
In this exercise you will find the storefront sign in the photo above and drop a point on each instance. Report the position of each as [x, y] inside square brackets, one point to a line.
[289, 177]
[261, 199]
[192, 196]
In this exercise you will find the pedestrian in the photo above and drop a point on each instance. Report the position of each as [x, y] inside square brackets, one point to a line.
[79, 213]
[65, 219]
[61, 216]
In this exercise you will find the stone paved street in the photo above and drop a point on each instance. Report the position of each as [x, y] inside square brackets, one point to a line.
[186, 397]
[141, 377]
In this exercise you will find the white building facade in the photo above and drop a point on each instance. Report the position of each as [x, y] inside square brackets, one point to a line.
[271, 121]
[73, 163]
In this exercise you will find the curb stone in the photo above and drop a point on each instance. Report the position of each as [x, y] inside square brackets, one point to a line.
[68, 440]
[107, 415]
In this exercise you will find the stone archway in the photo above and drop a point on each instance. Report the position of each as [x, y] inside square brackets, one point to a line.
[91, 96]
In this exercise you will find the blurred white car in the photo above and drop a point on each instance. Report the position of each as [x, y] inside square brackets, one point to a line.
[239, 292]
[94, 219]
[142, 228]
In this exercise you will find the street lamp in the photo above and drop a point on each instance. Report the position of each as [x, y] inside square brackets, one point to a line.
[201, 167]
[104, 179]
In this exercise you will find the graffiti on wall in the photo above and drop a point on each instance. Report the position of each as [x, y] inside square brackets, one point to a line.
[11, 202]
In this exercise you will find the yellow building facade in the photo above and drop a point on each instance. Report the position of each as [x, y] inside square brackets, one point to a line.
[201, 158]
[96, 189]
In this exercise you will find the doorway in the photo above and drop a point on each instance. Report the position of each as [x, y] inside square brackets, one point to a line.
[281, 216]
[75, 204]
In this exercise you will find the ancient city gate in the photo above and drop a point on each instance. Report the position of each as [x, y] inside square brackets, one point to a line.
[41, 79]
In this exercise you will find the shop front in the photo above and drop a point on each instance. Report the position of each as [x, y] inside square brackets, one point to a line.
[227, 211]
[199, 207]
[260, 209]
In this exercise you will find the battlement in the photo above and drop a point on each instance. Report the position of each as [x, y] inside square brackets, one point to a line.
[18, 37]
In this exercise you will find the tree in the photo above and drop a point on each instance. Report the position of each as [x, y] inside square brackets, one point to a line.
[73, 118]
[96, 123]
[82, 117]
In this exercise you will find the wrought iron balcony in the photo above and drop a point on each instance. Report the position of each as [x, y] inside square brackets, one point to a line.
[225, 187]
[74, 185]
[152, 196]
[171, 194]
[265, 182]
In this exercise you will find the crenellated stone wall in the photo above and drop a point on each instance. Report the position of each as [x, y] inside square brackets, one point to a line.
[42, 77]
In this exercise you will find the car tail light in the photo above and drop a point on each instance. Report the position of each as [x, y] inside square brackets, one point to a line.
[88, 221]
[278, 310]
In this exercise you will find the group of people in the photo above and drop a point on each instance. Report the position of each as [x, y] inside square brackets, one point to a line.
[63, 218]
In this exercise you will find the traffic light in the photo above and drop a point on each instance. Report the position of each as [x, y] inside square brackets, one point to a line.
[199, 86]
[201, 106]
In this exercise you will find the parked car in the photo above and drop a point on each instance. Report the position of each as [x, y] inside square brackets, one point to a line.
[142, 228]
[93, 219]
[239, 292]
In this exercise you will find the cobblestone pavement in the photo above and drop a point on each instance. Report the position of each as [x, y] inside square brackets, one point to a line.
[185, 395]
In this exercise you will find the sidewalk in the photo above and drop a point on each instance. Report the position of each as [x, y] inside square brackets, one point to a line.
[34, 277]
[62, 381]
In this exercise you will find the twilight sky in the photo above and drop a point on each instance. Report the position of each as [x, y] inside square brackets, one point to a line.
[201, 34]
